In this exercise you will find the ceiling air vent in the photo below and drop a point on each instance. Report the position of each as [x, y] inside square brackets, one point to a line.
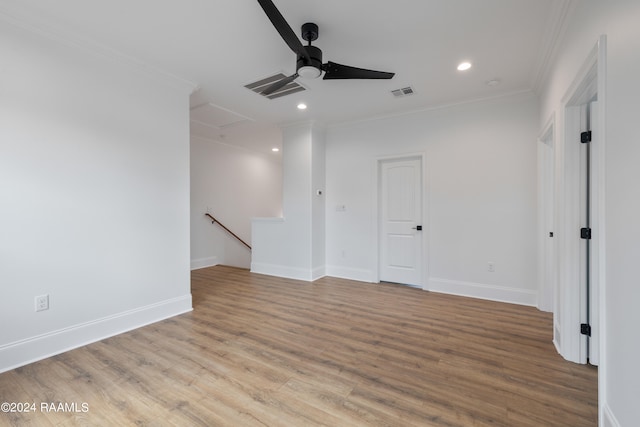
[261, 85]
[405, 91]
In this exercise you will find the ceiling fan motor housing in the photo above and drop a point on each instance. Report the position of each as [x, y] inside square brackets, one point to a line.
[302, 63]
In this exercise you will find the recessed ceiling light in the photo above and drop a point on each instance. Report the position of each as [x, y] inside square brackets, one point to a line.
[463, 66]
[275, 149]
[302, 106]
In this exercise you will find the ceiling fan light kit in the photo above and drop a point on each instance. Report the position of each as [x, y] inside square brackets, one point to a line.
[310, 69]
[309, 72]
[309, 58]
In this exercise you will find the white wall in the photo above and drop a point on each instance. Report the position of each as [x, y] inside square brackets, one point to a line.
[480, 193]
[236, 185]
[293, 245]
[94, 196]
[618, 19]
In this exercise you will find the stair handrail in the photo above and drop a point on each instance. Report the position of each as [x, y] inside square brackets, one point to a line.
[214, 221]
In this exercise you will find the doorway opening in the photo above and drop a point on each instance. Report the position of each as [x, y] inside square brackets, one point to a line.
[580, 214]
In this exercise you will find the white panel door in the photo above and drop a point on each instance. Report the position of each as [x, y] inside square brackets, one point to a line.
[401, 221]
[589, 248]
[589, 259]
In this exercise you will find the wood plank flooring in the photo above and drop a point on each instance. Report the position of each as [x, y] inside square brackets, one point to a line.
[265, 351]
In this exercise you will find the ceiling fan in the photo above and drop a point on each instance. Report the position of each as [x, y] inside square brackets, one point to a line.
[309, 58]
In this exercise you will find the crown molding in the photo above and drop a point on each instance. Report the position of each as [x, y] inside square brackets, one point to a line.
[86, 46]
[507, 96]
[555, 30]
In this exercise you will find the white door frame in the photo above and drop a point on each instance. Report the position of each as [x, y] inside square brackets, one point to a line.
[377, 217]
[588, 83]
[547, 248]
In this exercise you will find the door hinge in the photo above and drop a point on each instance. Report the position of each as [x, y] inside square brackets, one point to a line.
[585, 233]
[585, 137]
[585, 329]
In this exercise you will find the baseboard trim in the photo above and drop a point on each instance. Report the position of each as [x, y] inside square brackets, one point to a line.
[318, 273]
[40, 347]
[359, 275]
[204, 262]
[287, 272]
[608, 419]
[484, 291]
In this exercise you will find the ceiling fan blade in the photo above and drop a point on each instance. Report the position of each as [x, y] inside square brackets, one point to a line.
[339, 71]
[279, 84]
[284, 28]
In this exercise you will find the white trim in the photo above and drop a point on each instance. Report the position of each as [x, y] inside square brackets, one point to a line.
[204, 262]
[555, 31]
[547, 138]
[79, 43]
[484, 291]
[211, 104]
[600, 220]
[548, 130]
[357, 274]
[40, 347]
[584, 85]
[608, 419]
[598, 230]
[318, 273]
[307, 275]
[588, 82]
[515, 95]
[557, 336]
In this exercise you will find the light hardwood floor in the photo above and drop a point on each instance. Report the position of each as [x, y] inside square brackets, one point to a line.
[264, 351]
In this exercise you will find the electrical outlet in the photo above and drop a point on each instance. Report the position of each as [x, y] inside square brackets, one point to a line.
[491, 267]
[42, 303]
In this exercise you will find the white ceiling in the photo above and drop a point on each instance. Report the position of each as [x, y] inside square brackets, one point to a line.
[222, 45]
